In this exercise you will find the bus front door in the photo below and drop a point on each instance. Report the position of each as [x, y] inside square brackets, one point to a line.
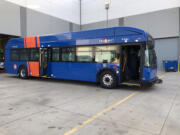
[131, 64]
[43, 61]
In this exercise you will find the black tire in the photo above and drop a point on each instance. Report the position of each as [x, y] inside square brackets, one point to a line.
[23, 74]
[108, 80]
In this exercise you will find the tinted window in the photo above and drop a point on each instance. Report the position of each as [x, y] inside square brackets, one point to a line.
[49, 54]
[1, 55]
[14, 55]
[34, 54]
[24, 54]
[55, 54]
[150, 59]
[68, 54]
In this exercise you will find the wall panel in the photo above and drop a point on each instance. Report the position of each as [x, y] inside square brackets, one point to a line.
[166, 49]
[9, 18]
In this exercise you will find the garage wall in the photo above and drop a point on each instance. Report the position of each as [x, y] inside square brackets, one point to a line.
[20, 21]
[9, 18]
[94, 11]
[103, 24]
[166, 49]
[39, 24]
[159, 24]
[75, 27]
[63, 9]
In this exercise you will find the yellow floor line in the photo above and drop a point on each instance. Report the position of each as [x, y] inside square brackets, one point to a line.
[162, 76]
[45, 77]
[99, 114]
[130, 84]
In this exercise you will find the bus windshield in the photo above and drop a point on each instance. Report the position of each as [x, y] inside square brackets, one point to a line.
[150, 57]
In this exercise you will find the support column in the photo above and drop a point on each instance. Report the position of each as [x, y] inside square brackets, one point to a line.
[80, 14]
[179, 45]
[23, 21]
[70, 27]
[121, 21]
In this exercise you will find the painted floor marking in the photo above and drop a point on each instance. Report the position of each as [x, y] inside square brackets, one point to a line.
[99, 114]
[162, 76]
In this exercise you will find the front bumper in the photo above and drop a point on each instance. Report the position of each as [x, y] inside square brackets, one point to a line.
[150, 83]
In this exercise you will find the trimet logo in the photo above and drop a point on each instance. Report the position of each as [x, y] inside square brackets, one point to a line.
[125, 40]
[105, 40]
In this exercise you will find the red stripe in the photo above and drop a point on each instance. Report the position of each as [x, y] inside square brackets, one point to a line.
[38, 41]
[34, 68]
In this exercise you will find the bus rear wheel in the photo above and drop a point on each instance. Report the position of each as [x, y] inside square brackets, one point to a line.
[22, 73]
[108, 80]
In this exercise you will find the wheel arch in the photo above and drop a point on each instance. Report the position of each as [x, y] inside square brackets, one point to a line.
[103, 70]
[21, 66]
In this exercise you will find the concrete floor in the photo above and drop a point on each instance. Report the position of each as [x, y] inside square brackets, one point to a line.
[54, 107]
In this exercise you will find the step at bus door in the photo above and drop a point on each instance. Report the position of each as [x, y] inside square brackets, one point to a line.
[43, 61]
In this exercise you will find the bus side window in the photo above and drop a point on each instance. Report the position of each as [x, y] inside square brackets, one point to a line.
[14, 55]
[68, 54]
[107, 54]
[34, 54]
[84, 54]
[24, 54]
[49, 54]
[55, 54]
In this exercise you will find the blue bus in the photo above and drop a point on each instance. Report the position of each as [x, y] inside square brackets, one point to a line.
[109, 56]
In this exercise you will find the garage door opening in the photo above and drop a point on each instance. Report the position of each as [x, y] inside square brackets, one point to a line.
[3, 40]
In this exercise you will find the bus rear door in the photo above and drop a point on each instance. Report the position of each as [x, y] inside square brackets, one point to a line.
[43, 59]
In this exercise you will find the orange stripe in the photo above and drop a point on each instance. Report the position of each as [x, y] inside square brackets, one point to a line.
[33, 42]
[34, 68]
[27, 42]
[30, 43]
[38, 41]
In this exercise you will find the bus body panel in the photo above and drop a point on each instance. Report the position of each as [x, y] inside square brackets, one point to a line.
[12, 67]
[114, 35]
[149, 74]
[77, 70]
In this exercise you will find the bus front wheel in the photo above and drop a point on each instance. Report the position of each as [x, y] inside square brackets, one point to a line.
[23, 72]
[108, 80]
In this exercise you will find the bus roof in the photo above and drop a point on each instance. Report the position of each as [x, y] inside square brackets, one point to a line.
[113, 35]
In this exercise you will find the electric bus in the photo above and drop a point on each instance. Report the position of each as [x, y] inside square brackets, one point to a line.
[108, 56]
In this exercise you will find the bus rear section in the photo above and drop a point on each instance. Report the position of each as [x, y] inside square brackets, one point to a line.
[24, 57]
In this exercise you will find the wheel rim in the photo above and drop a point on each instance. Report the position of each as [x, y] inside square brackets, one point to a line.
[23, 73]
[107, 79]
